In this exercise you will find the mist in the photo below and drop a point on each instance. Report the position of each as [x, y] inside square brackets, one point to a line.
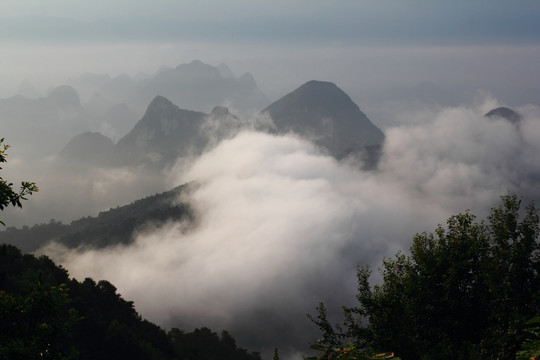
[281, 226]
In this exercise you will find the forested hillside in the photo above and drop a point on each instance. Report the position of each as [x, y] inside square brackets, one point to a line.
[112, 227]
[44, 314]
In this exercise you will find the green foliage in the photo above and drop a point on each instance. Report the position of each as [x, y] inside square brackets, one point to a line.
[464, 292]
[7, 195]
[276, 354]
[350, 351]
[44, 314]
[331, 337]
[530, 348]
[36, 325]
[44, 306]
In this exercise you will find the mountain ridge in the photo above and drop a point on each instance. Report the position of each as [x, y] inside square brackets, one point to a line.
[112, 227]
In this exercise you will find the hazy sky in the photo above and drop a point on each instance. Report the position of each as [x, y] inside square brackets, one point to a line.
[364, 46]
[318, 21]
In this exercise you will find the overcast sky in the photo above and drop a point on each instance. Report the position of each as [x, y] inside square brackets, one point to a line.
[363, 45]
[360, 22]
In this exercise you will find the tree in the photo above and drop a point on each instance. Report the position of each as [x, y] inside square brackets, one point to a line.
[7, 195]
[37, 325]
[464, 292]
[530, 349]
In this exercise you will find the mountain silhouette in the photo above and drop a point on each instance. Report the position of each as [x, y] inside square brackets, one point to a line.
[322, 112]
[64, 96]
[167, 132]
[47, 123]
[112, 227]
[505, 113]
[89, 148]
[199, 86]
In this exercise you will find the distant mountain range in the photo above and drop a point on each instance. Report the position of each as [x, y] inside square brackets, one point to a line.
[317, 111]
[201, 87]
[164, 134]
[101, 131]
[52, 120]
[188, 111]
[195, 86]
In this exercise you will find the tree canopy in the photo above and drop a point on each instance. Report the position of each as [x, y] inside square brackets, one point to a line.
[44, 314]
[463, 292]
[8, 196]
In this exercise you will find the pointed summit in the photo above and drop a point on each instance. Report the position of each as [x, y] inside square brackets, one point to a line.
[321, 96]
[322, 112]
[164, 132]
[167, 132]
[160, 104]
[163, 120]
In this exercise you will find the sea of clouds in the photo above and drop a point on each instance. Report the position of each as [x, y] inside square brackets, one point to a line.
[281, 226]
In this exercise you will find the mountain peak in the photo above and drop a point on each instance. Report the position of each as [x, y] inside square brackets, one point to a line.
[159, 103]
[88, 147]
[164, 133]
[197, 62]
[322, 97]
[220, 111]
[198, 68]
[319, 84]
[321, 111]
[505, 113]
[64, 96]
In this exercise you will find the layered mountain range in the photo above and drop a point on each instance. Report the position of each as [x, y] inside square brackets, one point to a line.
[317, 111]
[77, 134]
[56, 118]
[195, 86]
[186, 109]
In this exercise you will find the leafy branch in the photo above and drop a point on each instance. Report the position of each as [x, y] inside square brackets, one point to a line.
[7, 195]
